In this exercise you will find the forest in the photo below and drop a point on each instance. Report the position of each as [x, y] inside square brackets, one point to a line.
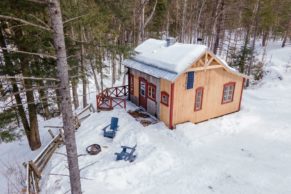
[50, 48]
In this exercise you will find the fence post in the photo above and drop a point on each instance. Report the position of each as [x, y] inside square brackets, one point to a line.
[110, 103]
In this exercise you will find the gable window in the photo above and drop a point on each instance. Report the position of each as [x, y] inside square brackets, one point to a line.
[152, 91]
[228, 92]
[190, 80]
[198, 99]
[165, 98]
[131, 84]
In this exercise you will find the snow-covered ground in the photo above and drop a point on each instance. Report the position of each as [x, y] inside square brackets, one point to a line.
[245, 152]
[13, 154]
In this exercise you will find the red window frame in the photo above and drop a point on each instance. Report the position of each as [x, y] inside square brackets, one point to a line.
[200, 89]
[224, 88]
[131, 84]
[163, 93]
[154, 92]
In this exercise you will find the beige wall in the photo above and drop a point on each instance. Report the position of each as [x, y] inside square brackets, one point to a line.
[212, 80]
[165, 110]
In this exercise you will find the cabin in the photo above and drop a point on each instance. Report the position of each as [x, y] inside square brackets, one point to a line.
[180, 83]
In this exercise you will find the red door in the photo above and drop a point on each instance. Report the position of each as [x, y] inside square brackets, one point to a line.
[143, 93]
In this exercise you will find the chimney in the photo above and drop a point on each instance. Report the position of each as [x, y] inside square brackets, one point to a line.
[170, 41]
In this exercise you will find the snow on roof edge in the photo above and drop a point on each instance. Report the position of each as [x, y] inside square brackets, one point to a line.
[228, 68]
[150, 70]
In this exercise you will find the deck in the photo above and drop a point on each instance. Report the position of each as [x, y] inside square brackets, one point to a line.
[112, 97]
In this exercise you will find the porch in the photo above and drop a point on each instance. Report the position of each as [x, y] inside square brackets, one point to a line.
[112, 97]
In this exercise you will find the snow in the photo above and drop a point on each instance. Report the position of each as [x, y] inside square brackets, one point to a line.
[175, 58]
[244, 152]
[150, 70]
[13, 155]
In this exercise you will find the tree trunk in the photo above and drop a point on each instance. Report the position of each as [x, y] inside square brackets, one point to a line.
[83, 71]
[43, 100]
[21, 111]
[58, 100]
[218, 27]
[113, 62]
[288, 28]
[265, 38]
[31, 127]
[67, 113]
[141, 22]
[75, 93]
[95, 76]
[183, 25]
[256, 22]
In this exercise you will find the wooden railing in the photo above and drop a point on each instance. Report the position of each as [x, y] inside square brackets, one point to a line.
[86, 112]
[35, 167]
[112, 97]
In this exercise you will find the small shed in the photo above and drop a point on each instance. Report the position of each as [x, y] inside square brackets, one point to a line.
[179, 83]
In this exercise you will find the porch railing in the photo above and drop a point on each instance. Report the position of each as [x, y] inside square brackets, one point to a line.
[112, 97]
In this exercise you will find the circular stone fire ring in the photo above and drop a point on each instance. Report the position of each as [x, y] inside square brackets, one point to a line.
[93, 149]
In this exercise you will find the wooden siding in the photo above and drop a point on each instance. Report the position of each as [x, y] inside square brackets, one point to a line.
[165, 110]
[152, 106]
[212, 80]
[134, 97]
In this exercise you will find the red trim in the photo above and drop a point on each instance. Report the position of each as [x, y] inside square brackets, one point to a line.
[201, 103]
[163, 93]
[171, 105]
[128, 80]
[146, 91]
[241, 93]
[131, 83]
[228, 84]
[155, 91]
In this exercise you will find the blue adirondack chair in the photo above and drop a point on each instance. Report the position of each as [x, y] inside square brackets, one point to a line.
[110, 133]
[126, 154]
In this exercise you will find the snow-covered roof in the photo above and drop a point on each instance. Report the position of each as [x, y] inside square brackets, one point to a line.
[155, 58]
[150, 70]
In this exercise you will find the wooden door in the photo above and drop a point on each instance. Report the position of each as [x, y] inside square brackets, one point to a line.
[143, 93]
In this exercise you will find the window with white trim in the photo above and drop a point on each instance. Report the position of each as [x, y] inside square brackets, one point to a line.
[152, 91]
[165, 98]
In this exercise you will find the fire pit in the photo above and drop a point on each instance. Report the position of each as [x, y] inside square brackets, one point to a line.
[93, 149]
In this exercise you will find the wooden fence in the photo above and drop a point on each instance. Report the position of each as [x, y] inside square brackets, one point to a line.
[35, 167]
[112, 97]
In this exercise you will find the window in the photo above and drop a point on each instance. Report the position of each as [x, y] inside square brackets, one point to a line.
[190, 80]
[198, 99]
[228, 91]
[165, 98]
[131, 84]
[152, 91]
[142, 89]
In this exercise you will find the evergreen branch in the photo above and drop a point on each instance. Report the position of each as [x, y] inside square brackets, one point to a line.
[39, 20]
[41, 55]
[31, 78]
[72, 19]
[6, 17]
[37, 1]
